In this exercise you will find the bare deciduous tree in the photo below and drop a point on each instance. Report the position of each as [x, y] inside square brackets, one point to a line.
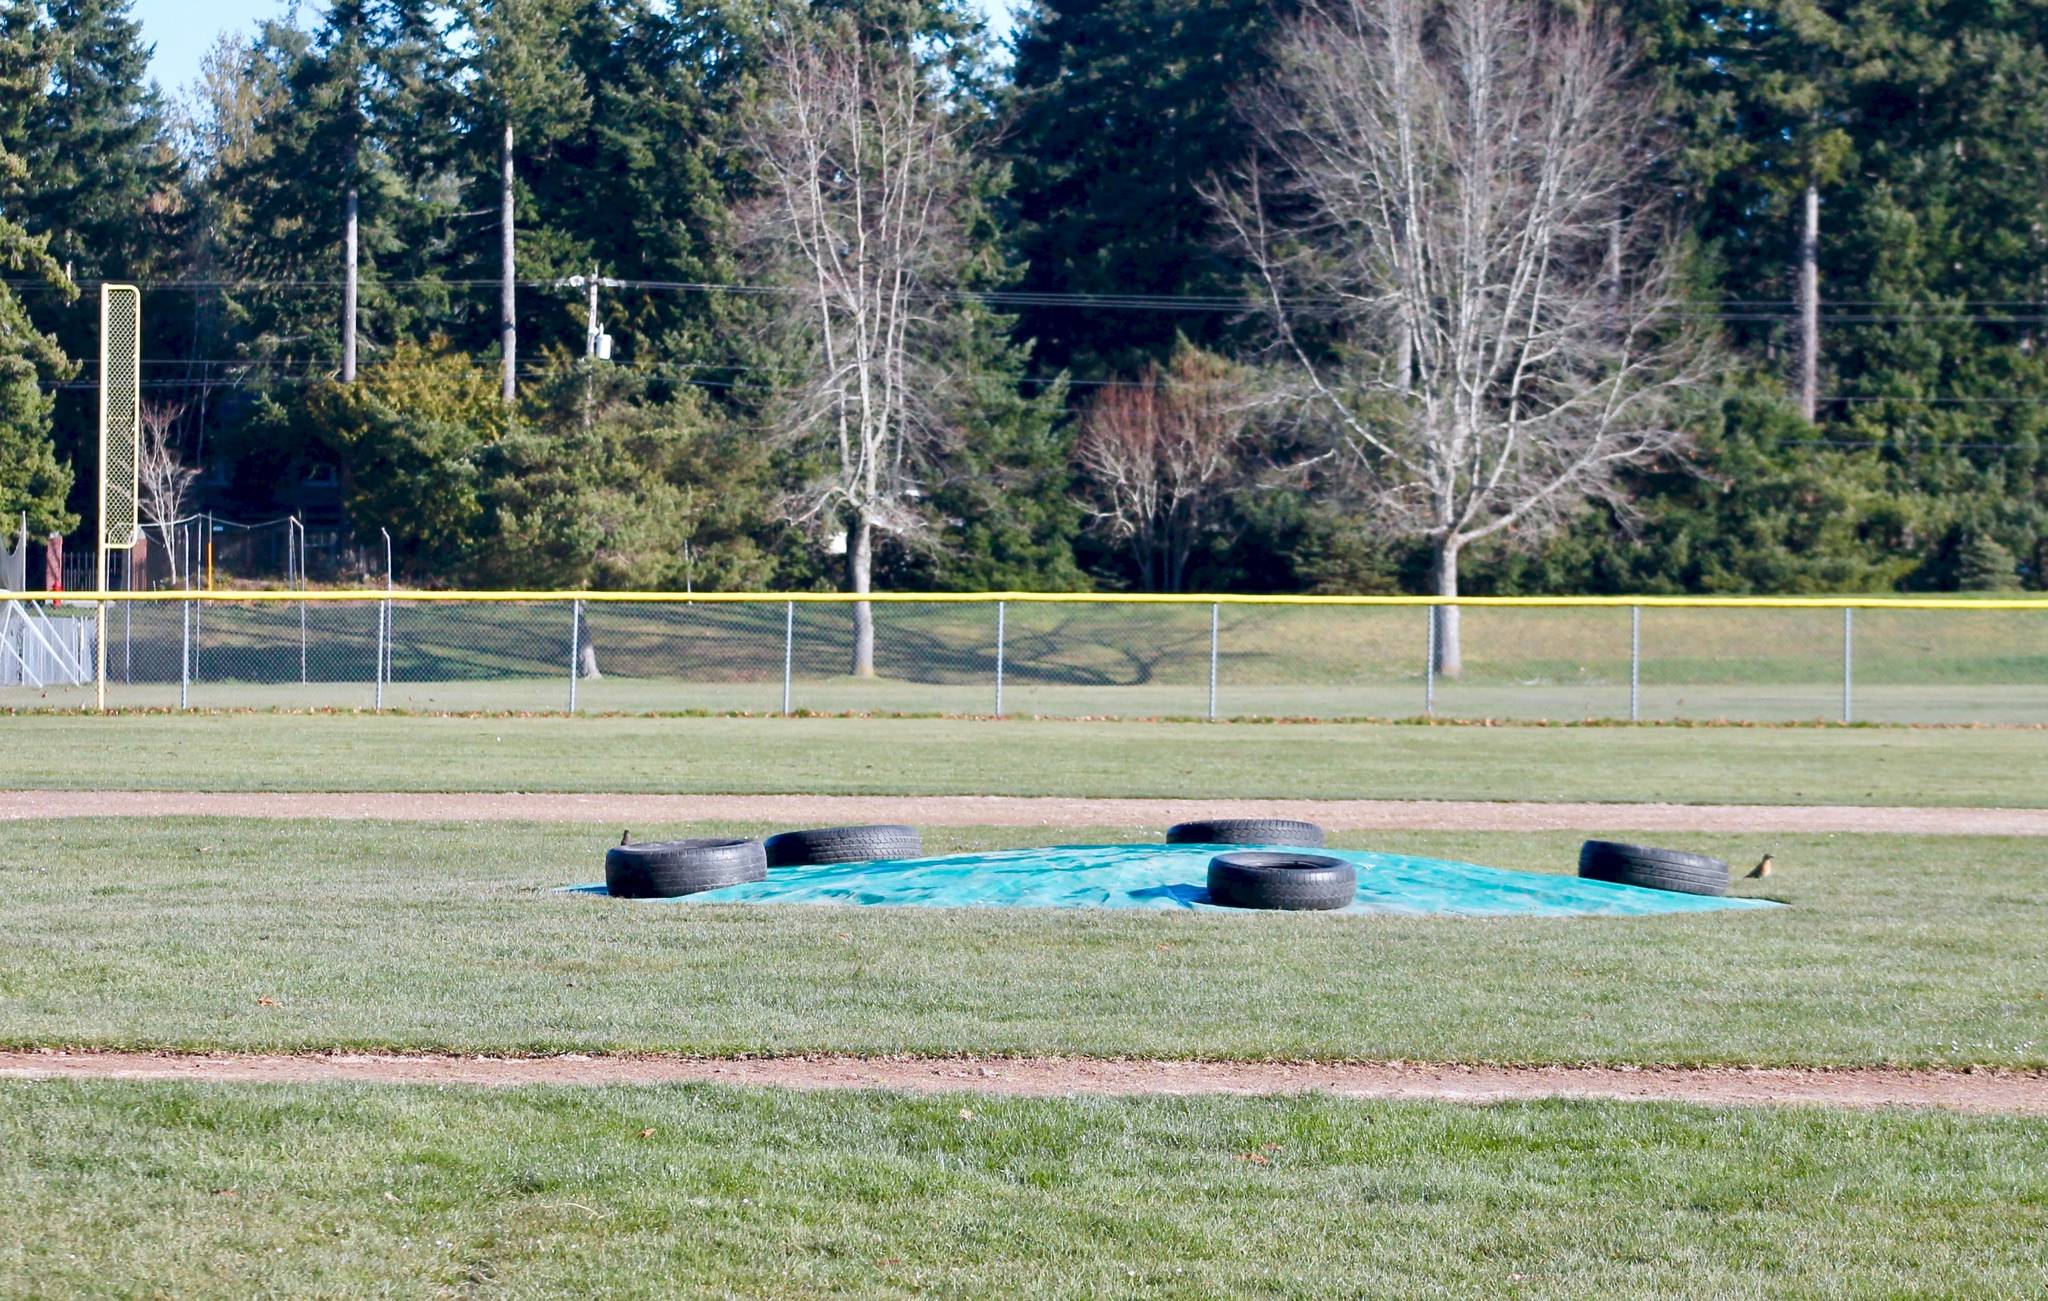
[1161, 455]
[1464, 261]
[162, 480]
[866, 184]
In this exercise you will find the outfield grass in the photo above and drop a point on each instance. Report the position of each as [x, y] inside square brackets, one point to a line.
[1080, 645]
[1088, 660]
[173, 933]
[266, 752]
[160, 1189]
[1542, 700]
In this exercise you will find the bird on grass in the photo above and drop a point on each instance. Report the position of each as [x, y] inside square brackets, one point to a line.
[1761, 870]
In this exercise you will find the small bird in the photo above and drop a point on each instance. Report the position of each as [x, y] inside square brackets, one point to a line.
[1761, 870]
[626, 839]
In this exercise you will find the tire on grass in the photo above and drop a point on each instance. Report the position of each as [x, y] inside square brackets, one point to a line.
[1291, 882]
[1652, 869]
[1246, 831]
[665, 869]
[842, 845]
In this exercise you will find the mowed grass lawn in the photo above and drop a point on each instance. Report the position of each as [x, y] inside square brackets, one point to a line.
[200, 934]
[326, 752]
[127, 1189]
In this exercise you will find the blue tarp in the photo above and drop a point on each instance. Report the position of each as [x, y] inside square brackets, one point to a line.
[1174, 876]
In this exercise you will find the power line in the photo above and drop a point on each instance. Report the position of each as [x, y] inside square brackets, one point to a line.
[1764, 311]
[285, 370]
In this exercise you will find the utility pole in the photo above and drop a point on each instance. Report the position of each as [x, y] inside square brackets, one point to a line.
[590, 336]
[1809, 305]
[597, 345]
[508, 321]
[351, 158]
[348, 284]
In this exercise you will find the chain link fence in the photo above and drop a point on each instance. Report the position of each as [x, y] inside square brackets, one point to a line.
[1073, 659]
[204, 552]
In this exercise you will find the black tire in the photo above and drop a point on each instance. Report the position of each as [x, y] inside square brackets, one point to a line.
[1652, 869]
[664, 869]
[842, 845]
[1294, 882]
[1246, 831]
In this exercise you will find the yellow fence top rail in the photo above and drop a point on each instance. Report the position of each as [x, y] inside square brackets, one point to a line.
[354, 596]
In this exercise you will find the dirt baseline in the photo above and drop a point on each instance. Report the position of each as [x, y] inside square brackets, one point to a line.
[650, 812]
[2017, 1092]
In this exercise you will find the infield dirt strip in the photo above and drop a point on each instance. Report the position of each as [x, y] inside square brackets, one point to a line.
[2008, 1092]
[653, 811]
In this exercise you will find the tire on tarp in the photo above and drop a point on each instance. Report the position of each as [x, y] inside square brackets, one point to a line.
[1288, 882]
[1652, 869]
[843, 845]
[1246, 831]
[666, 869]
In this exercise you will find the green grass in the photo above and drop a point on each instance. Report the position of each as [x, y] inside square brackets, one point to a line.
[1095, 645]
[1093, 660]
[167, 933]
[266, 752]
[124, 1189]
[1562, 699]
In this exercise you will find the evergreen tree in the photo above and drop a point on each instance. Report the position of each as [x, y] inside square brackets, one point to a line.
[639, 188]
[525, 96]
[32, 478]
[1007, 513]
[1759, 509]
[599, 486]
[1121, 113]
[100, 186]
[1985, 566]
[353, 110]
[1923, 122]
[102, 170]
[410, 437]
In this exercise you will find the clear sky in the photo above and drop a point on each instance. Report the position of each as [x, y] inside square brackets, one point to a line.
[182, 30]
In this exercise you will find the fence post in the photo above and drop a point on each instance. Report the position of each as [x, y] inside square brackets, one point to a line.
[1848, 662]
[1429, 667]
[1213, 646]
[788, 651]
[999, 658]
[575, 646]
[1635, 663]
[185, 657]
[300, 570]
[384, 629]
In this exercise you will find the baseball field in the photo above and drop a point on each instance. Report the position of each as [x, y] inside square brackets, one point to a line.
[294, 1004]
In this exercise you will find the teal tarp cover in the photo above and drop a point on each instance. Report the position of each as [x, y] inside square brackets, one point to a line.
[1175, 876]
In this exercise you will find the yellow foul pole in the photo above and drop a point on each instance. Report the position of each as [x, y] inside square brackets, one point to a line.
[120, 439]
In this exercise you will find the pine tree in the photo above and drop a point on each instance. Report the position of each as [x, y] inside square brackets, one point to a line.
[1758, 95]
[351, 121]
[639, 189]
[100, 184]
[1923, 123]
[526, 96]
[614, 488]
[1122, 111]
[32, 479]
[1985, 566]
[99, 158]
